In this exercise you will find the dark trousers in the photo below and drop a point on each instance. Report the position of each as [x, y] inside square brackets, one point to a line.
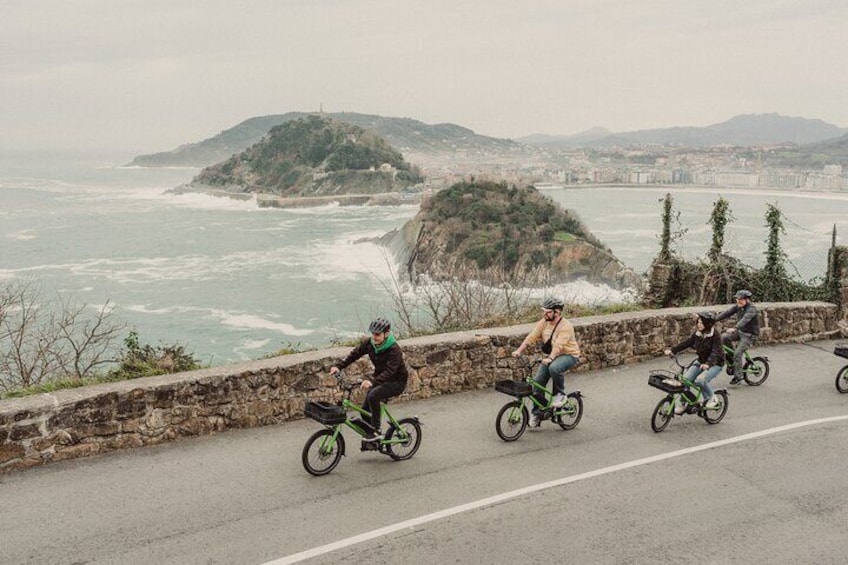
[378, 394]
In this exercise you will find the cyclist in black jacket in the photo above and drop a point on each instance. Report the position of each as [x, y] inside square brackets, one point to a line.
[707, 344]
[745, 331]
[390, 374]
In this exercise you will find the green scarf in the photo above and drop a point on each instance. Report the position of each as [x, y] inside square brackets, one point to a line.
[390, 341]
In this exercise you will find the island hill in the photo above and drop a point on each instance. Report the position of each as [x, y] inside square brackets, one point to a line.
[482, 231]
[496, 234]
[313, 157]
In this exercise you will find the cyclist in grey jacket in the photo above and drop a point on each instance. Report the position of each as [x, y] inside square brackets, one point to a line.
[746, 331]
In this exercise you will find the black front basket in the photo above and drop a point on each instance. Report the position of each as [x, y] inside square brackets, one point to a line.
[325, 413]
[841, 350]
[514, 388]
[666, 381]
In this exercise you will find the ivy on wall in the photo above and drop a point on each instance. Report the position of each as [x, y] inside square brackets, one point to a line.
[713, 279]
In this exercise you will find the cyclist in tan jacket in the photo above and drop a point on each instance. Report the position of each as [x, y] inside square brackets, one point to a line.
[561, 349]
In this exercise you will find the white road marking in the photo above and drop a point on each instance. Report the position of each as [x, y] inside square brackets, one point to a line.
[492, 500]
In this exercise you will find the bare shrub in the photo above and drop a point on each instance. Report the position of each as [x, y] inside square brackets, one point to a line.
[39, 344]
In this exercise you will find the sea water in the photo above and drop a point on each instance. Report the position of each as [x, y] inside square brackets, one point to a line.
[233, 281]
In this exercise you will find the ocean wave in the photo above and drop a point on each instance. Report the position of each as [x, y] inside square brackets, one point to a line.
[23, 235]
[253, 322]
[580, 292]
[346, 259]
[252, 344]
[233, 319]
[343, 259]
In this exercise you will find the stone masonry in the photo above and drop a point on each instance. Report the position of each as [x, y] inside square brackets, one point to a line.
[78, 422]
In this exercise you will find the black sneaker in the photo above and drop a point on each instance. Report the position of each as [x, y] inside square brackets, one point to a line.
[374, 438]
[730, 371]
[735, 380]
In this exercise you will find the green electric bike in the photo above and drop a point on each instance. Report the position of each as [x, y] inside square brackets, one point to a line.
[324, 449]
[513, 417]
[678, 388]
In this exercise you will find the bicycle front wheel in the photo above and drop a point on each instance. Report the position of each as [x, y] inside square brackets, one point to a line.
[512, 420]
[662, 414]
[569, 415]
[409, 434]
[715, 415]
[842, 380]
[322, 453]
[756, 371]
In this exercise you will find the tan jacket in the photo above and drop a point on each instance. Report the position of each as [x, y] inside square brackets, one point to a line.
[564, 342]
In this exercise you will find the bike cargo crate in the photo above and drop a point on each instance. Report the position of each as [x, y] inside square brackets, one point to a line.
[841, 350]
[325, 413]
[666, 381]
[514, 388]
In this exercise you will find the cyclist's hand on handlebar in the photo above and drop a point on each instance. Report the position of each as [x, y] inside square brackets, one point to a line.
[366, 384]
[334, 371]
[516, 353]
[668, 353]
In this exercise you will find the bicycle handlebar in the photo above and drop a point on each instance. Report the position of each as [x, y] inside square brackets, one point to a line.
[525, 360]
[348, 386]
[673, 357]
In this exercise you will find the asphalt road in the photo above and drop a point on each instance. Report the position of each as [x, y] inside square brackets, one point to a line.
[766, 485]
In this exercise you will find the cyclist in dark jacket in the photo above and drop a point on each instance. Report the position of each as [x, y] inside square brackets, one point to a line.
[390, 374]
[745, 331]
[707, 343]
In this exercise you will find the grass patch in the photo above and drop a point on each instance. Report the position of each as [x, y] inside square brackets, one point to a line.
[564, 237]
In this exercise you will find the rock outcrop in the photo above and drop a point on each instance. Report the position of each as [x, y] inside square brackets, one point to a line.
[312, 156]
[500, 235]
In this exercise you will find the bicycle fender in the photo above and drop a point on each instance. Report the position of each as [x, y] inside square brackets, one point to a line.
[576, 393]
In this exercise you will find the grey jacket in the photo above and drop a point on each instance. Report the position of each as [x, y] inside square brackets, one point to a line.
[747, 320]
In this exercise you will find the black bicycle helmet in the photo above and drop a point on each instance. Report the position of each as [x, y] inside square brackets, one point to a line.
[708, 319]
[379, 325]
[742, 294]
[552, 303]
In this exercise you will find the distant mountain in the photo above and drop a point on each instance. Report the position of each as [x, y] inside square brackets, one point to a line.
[564, 141]
[312, 156]
[812, 156]
[836, 147]
[416, 140]
[743, 130]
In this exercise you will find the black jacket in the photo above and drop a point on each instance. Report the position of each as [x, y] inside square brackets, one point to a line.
[707, 346]
[388, 364]
[747, 322]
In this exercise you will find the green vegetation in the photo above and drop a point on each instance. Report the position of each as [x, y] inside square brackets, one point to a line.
[135, 361]
[147, 360]
[493, 225]
[676, 282]
[719, 219]
[296, 157]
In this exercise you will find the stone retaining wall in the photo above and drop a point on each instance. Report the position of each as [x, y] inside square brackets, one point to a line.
[79, 422]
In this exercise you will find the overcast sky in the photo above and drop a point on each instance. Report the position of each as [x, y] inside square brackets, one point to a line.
[149, 75]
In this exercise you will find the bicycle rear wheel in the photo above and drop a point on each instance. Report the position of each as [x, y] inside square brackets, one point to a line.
[756, 371]
[715, 415]
[512, 420]
[569, 415]
[321, 454]
[663, 414]
[842, 380]
[410, 432]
